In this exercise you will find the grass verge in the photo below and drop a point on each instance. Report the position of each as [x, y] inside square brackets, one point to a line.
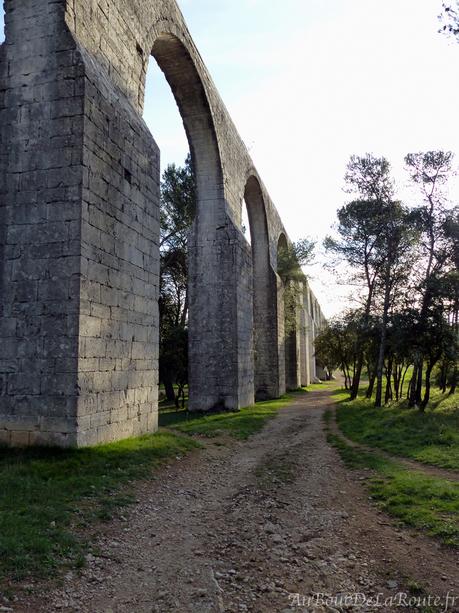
[423, 502]
[431, 437]
[48, 497]
[239, 425]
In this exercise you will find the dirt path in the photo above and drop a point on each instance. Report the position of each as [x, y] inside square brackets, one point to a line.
[433, 471]
[243, 527]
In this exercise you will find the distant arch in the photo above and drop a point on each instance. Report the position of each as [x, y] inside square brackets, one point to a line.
[289, 324]
[282, 245]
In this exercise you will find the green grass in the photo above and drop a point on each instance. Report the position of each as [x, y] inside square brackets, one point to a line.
[50, 497]
[423, 502]
[239, 425]
[431, 437]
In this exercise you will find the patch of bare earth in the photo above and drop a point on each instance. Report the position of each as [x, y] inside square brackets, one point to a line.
[246, 527]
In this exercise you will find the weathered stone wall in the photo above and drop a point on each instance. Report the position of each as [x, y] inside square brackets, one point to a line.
[41, 177]
[80, 265]
[79, 229]
[118, 353]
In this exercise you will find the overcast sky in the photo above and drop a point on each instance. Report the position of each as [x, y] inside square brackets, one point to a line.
[310, 82]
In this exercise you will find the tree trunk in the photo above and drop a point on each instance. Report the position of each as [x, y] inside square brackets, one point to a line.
[417, 367]
[357, 376]
[382, 345]
[360, 357]
[454, 383]
[403, 382]
[388, 395]
[169, 389]
[397, 378]
[425, 400]
[418, 397]
[443, 377]
[184, 316]
[371, 385]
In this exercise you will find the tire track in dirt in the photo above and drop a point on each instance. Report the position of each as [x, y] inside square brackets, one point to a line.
[247, 526]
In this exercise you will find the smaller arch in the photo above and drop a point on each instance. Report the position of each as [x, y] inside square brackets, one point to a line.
[264, 294]
[282, 246]
[256, 211]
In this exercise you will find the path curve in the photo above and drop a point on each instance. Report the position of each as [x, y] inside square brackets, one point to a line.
[244, 526]
[427, 469]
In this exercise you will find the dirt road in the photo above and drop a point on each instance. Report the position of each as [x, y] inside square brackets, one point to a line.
[256, 526]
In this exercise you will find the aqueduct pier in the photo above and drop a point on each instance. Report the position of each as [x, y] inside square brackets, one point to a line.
[79, 231]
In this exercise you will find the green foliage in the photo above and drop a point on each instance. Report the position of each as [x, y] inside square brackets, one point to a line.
[368, 177]
[173, 358]
[290, 259]
[449, 19]
[178, 208]
[178, 204]
[359, 227]
[406, 261]
[48, 495]
[337, 345]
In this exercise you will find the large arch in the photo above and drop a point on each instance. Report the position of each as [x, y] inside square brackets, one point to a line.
[186, 84]
[207, 366]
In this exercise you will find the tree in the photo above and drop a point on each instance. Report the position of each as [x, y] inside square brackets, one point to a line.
[361, 223]
[394, 248]
[178, 206]
[335, 346]
[407, 260]
[173, 361]
[290, 258]
[437, 251]
[449, 19]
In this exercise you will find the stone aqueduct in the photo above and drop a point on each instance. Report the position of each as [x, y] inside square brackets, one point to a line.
[79, 231]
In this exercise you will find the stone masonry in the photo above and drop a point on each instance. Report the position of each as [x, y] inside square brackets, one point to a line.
[79, 231]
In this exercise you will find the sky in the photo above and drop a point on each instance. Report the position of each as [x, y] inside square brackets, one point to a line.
[309, 83]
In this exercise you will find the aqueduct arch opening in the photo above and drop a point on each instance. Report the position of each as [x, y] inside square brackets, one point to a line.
[186, 85]
[264, 295]
[290, 323]
[204, 302]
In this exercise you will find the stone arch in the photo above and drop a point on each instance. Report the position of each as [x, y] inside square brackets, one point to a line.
[188, 89]
[282, 243]
[205, 288]
[264, 294]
